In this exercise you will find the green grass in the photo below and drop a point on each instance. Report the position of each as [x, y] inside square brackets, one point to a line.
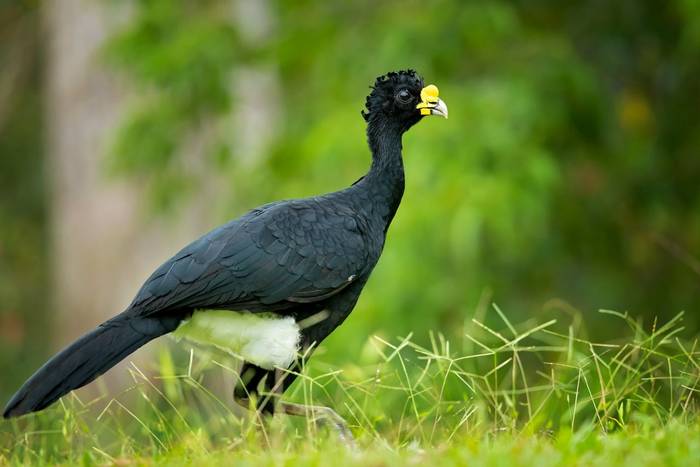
[503, 394]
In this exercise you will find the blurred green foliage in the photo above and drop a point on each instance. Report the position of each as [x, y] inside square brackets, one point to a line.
[565, 177]
[563, 182]
[181, 54]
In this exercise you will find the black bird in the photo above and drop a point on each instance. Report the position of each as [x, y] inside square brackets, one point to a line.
[268, 286]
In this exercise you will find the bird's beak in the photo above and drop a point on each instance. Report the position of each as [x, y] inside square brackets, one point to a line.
[430, 103]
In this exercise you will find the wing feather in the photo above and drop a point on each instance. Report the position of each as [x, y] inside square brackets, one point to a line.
[290, 252]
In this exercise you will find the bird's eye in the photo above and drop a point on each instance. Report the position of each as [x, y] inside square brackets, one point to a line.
[404, 96]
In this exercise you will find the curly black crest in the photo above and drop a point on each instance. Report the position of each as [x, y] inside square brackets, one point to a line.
[383, 95]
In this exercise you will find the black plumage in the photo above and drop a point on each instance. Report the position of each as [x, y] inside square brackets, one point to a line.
[295, 258]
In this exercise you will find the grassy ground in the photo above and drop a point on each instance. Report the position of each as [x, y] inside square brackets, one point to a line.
[523, 394]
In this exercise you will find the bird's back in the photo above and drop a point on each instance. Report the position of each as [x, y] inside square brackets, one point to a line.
[272, 258]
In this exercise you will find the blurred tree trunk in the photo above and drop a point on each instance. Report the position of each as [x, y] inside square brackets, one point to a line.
[256, 89]
[90, 218]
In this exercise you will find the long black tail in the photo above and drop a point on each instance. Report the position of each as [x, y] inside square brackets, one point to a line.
[86, 359]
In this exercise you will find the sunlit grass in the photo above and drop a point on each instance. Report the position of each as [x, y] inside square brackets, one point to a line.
[538, 391]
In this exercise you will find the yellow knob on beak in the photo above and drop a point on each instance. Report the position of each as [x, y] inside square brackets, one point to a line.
[430, 103]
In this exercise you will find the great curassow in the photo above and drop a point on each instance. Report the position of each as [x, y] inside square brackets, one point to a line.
[268, 286]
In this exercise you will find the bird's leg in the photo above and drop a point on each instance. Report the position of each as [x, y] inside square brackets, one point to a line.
[246, 389]
[275, 382]
[320, 415]
[247, 395]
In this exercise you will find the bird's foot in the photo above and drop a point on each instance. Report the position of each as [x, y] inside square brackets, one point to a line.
[323, 416]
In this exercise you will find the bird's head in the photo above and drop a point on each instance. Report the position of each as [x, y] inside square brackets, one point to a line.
[402, 97]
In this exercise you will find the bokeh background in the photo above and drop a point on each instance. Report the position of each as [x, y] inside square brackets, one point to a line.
[564, 182]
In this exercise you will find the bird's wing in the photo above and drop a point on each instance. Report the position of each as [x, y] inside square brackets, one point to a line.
[296, 251]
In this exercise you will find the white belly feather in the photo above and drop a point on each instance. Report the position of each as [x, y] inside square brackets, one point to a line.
[264, 339]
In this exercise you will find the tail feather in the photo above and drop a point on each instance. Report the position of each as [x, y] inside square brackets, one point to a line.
[86, 359]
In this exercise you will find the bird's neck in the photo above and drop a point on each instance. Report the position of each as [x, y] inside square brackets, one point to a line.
[385, 179]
